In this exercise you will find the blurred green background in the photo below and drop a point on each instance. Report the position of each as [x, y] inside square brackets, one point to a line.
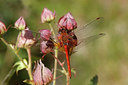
[107, 57]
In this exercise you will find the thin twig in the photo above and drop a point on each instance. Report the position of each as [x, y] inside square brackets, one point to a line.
[68, 78]
[13, 51]
[29, 64]
[66, 73]
[61, 64]
[56, 54]
[10, 73]
[18, 40]
[59, 77]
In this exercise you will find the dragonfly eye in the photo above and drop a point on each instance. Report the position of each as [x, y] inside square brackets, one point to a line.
[61, 30]
[74, 37]
[68, 31]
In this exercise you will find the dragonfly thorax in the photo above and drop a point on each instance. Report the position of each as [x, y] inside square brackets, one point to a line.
[67, 37]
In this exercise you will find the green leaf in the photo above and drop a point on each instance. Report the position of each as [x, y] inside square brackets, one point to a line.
[73, 71]
[28, 81]
[12, 46]
[94, 80]
[20, 65]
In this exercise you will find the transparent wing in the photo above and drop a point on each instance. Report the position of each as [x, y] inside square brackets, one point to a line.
[87, 40]
[88, 29]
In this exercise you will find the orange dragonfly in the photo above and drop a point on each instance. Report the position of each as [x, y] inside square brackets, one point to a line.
[68, 40]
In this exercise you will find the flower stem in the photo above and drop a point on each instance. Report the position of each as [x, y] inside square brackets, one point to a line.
[20, 58]
[13, 51]
[68, 78]
[55, 67]
[52, 30]
[56, 54]
[64, 71]
[4, 41]
[8, 76]
[18, 40]
[29, 64]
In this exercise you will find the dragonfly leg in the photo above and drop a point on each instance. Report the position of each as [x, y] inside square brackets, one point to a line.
[43, 56]
[61, 64]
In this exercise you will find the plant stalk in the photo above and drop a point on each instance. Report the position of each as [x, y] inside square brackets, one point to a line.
[13, 51]
[56, 54]
[29, 64]
[68, 78]
[18, 40]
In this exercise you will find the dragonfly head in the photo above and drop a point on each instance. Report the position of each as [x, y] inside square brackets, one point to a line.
[62, 30]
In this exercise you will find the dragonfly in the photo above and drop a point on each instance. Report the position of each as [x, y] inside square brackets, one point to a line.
[67, 40]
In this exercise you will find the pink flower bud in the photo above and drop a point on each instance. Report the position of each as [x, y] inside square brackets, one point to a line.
[67, 22]
[47, 15]
[20, 24]
[37, 74]
[2, 28]
[41, 74]
[45, 34]
[46, 46]
[26, 39]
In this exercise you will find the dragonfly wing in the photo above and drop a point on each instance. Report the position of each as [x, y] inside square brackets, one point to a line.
[89, 28]
[88, 40]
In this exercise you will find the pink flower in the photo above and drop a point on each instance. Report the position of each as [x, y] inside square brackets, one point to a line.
[20, 24]
[45, 34]
[46, 47]
[67, 22]
[41, 74]
[46, 44]
[2, 28]
[47, 15]
[26, 39]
